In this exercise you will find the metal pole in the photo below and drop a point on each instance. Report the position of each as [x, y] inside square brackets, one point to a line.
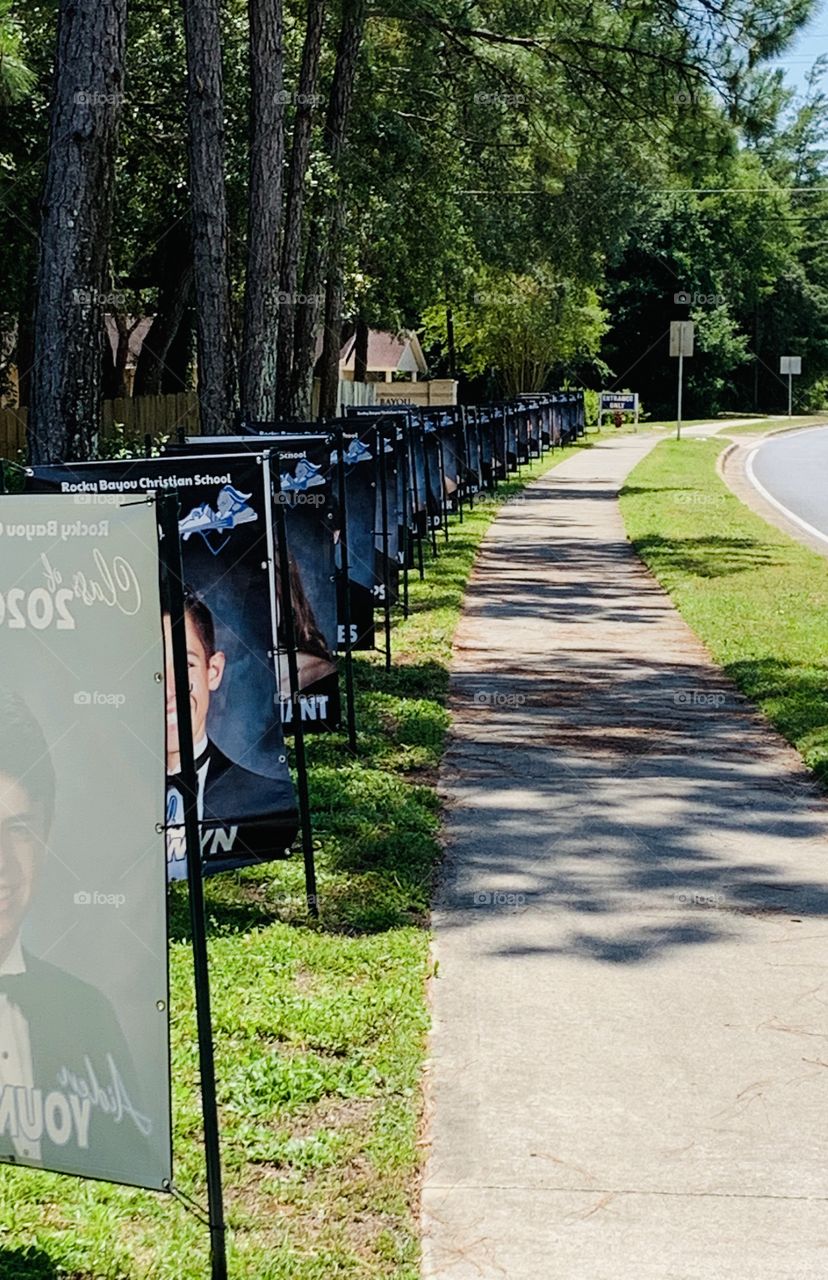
[790, 395]
[171, 557]
[386, 576]
[345, 590]
[296, 703]
[680, 379]
[405, 494]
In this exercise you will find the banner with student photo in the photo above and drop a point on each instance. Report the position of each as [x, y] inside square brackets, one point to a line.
[474, 459]
[84, 1022]
[303, 486]
[247, 804]
[360, 455]
[433, 474]
[388, 515]
[452, 460]
[511, 439]
[383, 435]
[304, 490]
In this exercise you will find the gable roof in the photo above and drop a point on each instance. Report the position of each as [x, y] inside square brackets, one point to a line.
[399, 353]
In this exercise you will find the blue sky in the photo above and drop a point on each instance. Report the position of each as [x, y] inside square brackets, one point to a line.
[811, 42]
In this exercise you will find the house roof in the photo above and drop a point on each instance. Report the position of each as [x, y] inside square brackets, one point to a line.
[397, 352]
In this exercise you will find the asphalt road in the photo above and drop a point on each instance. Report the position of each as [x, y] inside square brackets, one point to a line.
[792, 470]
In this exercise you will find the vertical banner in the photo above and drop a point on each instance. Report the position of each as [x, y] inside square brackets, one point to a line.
[522, 432]
[534, 417]
[511, 438]
[303, 485]
[84, 1042]
[451, 441]
[473, 456]
[247, 805]
[485, 435]
[304, 489]
[359, 503]
[433, 474]
[393, 511]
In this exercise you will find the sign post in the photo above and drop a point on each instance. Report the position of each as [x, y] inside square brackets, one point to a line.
[790, 365]
[617, 402]
[681, 345]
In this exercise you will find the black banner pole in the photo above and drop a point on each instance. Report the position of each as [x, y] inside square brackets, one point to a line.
[444, 506]
[386, 579]
[344, 594]
[403, 461]
[415, 492]
[430, 525]
[174, 574]
[297, 725]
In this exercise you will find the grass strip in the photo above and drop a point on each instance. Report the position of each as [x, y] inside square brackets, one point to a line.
[757, 598]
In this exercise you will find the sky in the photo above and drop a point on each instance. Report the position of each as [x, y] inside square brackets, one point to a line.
[803, 52]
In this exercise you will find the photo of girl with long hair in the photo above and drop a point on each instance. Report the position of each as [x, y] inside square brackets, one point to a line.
[314, 659]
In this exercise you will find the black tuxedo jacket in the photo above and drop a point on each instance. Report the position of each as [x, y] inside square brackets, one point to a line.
[264, 809]
[70, 1022]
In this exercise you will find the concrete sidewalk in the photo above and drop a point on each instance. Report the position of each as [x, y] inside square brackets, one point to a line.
[629, 1062]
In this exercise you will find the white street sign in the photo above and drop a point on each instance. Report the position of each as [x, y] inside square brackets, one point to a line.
[681, 337]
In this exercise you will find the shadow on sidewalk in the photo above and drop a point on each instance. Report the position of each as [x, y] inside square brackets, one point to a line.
[595, 796]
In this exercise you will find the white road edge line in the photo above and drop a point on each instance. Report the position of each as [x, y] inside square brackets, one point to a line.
[760, 488]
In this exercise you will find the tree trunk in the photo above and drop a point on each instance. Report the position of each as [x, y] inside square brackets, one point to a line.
[208, 196]
[115, 367]
[332, 342]
[261, 301]
[174, 269]
[452, 353]
[328, 213]
[177, 370]
[174, 301]
[109, 373]
[295, 199]
[75, 229]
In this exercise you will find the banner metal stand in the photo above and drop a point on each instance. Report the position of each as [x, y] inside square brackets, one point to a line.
[385, 536]
[430, 520]
[344, 589]
[405, 518]
[413, 429]
[168, 507]
[283, 569]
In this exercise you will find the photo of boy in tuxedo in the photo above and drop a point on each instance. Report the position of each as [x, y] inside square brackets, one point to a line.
[69, 1097]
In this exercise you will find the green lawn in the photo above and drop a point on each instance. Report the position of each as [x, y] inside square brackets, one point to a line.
[779, 424]
[320, 1028]
[756, 598]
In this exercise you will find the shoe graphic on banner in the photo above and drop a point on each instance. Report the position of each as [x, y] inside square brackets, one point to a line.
[306, 475]
[357, 452]
[231, 511]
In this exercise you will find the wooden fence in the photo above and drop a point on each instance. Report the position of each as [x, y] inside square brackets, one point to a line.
[146, 415]
[152, 415]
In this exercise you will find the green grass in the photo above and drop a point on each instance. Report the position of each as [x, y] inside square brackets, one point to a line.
[320, 1027]
[757, 598]
[778, 424]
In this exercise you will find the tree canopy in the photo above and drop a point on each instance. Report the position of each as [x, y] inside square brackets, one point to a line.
[566, 179]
